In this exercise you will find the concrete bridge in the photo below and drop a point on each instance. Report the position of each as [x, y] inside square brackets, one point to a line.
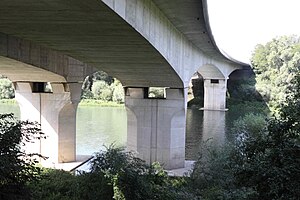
[143, 43]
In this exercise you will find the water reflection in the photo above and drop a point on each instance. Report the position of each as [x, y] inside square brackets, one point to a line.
[97, 126]
[194, 126]
[202, 126]
[214, 126]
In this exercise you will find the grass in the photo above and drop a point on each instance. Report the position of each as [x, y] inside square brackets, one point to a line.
[8, 101]
[83, 102]
[92, 102]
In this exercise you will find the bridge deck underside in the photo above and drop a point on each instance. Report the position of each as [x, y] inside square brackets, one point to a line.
[92, 33]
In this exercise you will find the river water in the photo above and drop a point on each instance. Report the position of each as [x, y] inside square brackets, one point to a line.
[98, 126]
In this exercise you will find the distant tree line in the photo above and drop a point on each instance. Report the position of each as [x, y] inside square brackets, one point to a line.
[6, 88]
[98, 86]
[261, 161]
[101, 86]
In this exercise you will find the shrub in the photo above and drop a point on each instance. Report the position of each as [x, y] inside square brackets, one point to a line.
[6, 89]
[132, 179]
[57, 184]
[16, 166]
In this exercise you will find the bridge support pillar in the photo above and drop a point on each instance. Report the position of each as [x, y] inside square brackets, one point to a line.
[56, 112]
[156, 127]
[215, 94]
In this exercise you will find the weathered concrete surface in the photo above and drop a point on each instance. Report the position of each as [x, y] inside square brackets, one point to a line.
[143, 43]
[215, 94]
[91, 32]
[22, 60]
[56, 112]
[19, 71]
[163, 25]
[156, 127]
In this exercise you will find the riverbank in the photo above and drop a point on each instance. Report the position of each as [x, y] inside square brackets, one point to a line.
[83, 102]
[8, 101]
[93, 102]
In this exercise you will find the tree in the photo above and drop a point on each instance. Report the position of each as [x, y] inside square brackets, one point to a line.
[6, 89]
[275, 65]
[102, 91]
[270, 160]
[132, 178]
[16, 166]
[118, 93]
[101, 86]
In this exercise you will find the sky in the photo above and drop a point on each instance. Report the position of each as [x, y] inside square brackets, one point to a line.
[239, 25]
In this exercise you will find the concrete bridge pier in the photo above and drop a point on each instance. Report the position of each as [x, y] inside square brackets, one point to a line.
[215, 94]
[156, 127]
[214, 110]
[55, 110]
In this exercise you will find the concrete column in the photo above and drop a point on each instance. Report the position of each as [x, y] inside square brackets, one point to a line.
[215, 94]
[56, 112]
[156, 127]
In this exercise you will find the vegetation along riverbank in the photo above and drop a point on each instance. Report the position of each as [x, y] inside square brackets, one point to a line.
[260, 161]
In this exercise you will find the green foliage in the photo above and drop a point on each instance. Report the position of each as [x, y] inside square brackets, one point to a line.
[114, 174]
[62, 185]
[102, 87]
[275, 65]
[250, 124]
[118, 92]
[156, 92]
[132, 179]
[92, 102]
[263, 161]
[213, 176]
[101, 90]
[241, 90]
[6, 89]
[16, 166]
[102, 76]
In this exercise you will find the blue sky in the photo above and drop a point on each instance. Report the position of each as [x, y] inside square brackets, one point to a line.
[239, 25]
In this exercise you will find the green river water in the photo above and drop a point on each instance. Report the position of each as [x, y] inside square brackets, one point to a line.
[98, 126]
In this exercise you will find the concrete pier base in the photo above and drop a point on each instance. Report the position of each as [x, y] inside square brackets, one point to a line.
[215, 94]
[156, 127]
[56, 112]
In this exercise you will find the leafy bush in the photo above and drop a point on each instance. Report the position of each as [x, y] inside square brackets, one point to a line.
[61, 185]
[16, 166]
[101, 86]
[97, 89]
[156, 92]
[276, 63]
[114, 174]
[262, 162]
[118, 93]
[132, 179]
[6, 89]
[213, 176]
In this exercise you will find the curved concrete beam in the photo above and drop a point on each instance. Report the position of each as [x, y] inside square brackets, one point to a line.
[177, 29]
[211, 72]
[91, 32]
[19, 71]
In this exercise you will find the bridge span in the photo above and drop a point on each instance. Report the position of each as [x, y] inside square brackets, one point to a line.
[143, 43]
